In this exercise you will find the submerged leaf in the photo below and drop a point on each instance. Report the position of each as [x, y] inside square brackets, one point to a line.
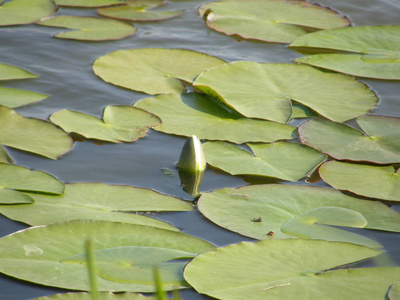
[270, 21]
[14, 97]
[9, 72]
[369, 181]
[288, 269]
[276, 204]
[43, 247]
[134, 264]
[32, 135]
[153, 70]
[283, 160]
[96, 201]
[89, 28]
[374, 50]
[379, 143]
[19, 12]
[121, 123]
[195, 114]
[265, 90]
[141, 10]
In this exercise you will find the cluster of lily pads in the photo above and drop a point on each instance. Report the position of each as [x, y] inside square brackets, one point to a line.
[244, 110]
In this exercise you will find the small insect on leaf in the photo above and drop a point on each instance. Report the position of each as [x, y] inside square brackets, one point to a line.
[271, 233]
[257, 220]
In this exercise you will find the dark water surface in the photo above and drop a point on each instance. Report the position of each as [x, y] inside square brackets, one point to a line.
[64, 67]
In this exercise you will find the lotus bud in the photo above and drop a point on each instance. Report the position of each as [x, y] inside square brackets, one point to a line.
[192, 157]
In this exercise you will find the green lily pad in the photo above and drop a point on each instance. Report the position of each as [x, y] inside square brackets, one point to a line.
[153, 70]
[103, 296]
[89, 28]
[4, 156]
[43, 248]
[282, 160]
[19, 12]
[10, 72]
[32, 135]
[288, 269]
[265, 90]
[88, 3]
[134, 264]
[379, 143]
[14, 97]
[141, 10]
[270, 21]
[374, 50]
[196, 114]
[96, 201]
[239, 209]
[369, 181]
[312, 225]
[121, 123]
[394, 292]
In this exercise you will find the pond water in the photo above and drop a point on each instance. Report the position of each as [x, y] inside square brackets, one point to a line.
[64, 67]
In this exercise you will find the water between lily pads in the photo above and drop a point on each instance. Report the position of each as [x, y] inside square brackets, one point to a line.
[64, 67]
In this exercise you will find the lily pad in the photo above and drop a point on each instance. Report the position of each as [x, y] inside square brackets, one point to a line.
[14, 97]
[394, 292]
[142, 10]
[88, 3]
[369, 181]
[19, 12]
[134, 264]
[379, 143]
[282, 160]
[312, 225]
[103, 296]
[96, 201]
[121, 123]
[4, 156]
[196, 114]
[153, 70]
[10, 72]
[239, 209]
[373, 50]
[43, 248]
[89, 28]
[270, 21]
[32, 135]
[288, 269]
[265, 90]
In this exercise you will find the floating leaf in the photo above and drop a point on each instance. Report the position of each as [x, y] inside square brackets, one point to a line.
[88, 3]
[283, 160]
[312, 225]
[14, 97]
[121, 123]
[379, 144]
[43, 247]
[96, 201]
[89, 28]
[288, 269]
[264, 90]
[369, 181]
[374, 50]
[134, 264]
[195, 114]
[394, 292]
[32, 135]
[103, 296]
[276, 204]
[19, 12]
[270, 21]
[141, 10]
[9, 72]
[4, 156]
[153, 70]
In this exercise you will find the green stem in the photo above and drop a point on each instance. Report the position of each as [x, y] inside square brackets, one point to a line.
[90, 256]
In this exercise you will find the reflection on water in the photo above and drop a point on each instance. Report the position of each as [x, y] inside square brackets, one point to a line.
[64, 68]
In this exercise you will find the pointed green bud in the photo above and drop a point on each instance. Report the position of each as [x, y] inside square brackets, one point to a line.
[192, 157]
